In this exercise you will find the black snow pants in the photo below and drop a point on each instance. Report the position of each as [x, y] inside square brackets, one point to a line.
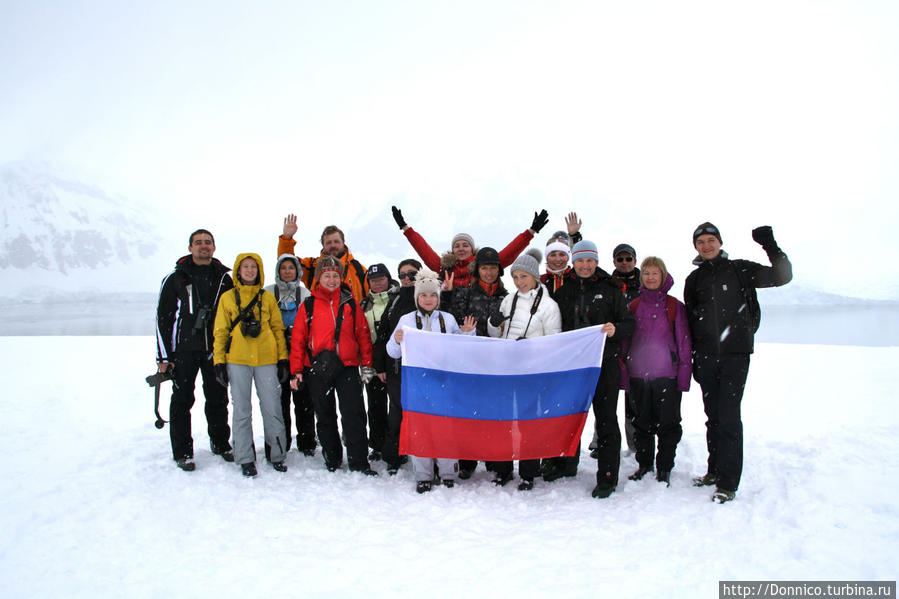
[376, 391]
[348, 388]
[723, 378]
[656, 413]
[187, 364]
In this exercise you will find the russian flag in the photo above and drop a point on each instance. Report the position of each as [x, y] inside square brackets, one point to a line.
[479, 398]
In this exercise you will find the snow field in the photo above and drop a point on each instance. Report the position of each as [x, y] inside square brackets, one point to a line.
[93, 506]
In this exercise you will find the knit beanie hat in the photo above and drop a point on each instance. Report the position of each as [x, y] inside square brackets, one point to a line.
[328, 262]
[426, 281]
[584, 249]
[706, 228]
[462, 237]
[528, 262]
[486, 255]
[623, 247]
[558, 246]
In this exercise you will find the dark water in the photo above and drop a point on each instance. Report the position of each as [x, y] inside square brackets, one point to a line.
[859, 324]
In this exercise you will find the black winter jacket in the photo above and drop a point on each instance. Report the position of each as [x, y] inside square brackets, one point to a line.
[182, 296]
[473, 301]
[629, 283]
[401, 301]
[593, 301]
[721, 300]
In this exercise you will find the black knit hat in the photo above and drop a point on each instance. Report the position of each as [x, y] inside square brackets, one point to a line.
[706, 228]
[487, 255]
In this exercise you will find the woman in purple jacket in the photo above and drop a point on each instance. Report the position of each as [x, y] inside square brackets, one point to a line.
[657, 369]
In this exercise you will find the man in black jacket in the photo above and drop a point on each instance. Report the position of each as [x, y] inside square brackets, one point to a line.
[723, 310]
[589, 297]
[188, 299]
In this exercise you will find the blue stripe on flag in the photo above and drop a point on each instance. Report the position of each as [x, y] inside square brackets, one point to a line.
[498, 397]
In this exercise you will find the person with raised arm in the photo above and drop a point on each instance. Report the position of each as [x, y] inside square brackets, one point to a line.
[463, 249]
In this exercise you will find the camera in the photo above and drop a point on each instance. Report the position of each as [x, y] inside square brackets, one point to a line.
[251, 328]
[202, 317]
[159, 378]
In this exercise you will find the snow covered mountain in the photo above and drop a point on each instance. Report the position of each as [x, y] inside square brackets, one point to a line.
[58, 224]
[61, 234]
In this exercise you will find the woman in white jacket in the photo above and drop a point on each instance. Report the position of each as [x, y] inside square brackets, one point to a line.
[530, 312]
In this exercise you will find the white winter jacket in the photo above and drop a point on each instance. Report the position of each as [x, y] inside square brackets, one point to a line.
[546, 320]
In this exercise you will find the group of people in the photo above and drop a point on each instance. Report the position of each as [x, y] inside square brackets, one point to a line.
[329, 328]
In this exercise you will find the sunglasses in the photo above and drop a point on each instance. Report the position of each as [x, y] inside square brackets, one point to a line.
[624, 259]
[705, 230]
[408, 275]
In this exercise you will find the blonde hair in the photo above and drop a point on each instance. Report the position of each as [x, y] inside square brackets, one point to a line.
[658, 263]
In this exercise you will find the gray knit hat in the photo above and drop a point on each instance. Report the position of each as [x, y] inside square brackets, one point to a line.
[462, 237]
[528, 262]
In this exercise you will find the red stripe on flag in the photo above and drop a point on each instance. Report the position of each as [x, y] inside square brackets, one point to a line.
[428, 436]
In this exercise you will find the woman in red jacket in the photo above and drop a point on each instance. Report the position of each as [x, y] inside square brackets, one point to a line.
[330, 341]
[462, 249]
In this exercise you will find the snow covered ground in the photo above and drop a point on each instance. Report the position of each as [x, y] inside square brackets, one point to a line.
[93, 506]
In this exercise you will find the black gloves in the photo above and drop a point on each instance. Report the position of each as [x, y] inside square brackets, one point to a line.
[496, 318]
[540, 221]
[283, 371]
[221, 374]
[398, 217]
[764, 236]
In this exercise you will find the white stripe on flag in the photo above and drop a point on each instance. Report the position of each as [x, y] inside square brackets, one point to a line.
[571, 350]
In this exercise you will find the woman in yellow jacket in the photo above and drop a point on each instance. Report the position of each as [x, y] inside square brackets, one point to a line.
[250, 346]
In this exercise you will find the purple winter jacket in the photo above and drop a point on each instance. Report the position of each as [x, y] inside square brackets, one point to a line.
[654, 351]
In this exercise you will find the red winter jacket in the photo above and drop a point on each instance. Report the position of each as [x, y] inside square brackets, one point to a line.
[461, 274]
[355, 338]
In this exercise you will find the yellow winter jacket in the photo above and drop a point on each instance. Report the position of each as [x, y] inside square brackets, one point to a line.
[270, 346]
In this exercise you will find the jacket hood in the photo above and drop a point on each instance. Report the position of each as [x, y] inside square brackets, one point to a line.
[296, 262]
[666, 286]
[238, 260]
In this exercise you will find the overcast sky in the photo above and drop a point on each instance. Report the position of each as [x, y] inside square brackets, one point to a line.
[647, 118]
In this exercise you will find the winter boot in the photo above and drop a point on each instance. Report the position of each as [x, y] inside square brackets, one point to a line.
[423, 486]
[526, 484]
[367, 471]
[602, 490]
[226, 454]
[723, 495]
[707, 480]
[248, 470]
[374, 456]
[449, 483]
[640, 473]
[465, 473]
[186, 464]
[280, 466]
[502, 478]
[664, 476]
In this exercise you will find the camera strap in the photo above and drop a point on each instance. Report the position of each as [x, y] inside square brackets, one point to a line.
[246, 313]
[534, 307]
